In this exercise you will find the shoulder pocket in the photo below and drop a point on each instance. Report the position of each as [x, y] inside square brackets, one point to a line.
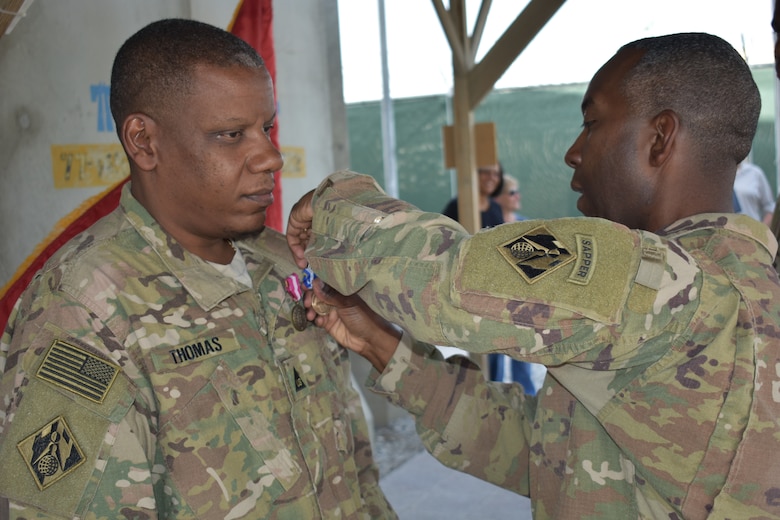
[584, 266]
[60, 432]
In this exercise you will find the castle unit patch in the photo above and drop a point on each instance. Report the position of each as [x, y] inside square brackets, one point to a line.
[51, 453]
[77, 371]
[536, 254]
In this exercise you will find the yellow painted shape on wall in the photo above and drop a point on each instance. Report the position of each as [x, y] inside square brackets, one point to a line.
[88, 165]
[294, 161]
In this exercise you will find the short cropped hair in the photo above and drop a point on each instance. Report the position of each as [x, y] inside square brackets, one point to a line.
[703, 79]
[155, 66]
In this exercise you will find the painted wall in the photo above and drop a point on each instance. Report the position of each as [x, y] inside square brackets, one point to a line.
[54, 75]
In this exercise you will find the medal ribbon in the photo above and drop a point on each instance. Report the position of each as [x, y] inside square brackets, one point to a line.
[308, 277]
[293, 285]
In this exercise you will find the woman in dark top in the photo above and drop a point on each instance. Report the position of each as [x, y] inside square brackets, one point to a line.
[491, 178]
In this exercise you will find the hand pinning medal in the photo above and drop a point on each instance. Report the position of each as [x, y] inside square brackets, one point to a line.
[318, 305]
[293, 286]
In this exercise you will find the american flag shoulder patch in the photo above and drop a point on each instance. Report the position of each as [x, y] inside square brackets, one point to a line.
[77, 371]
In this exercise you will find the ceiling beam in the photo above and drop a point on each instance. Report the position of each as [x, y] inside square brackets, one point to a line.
[483, 77]
[10, 10]
[479, 28]
[473, 82]
[452, 33]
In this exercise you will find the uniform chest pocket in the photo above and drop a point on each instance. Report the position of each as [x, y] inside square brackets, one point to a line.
[321, 394]
[223, 445]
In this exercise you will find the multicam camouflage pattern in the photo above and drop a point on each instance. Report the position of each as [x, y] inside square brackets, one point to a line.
[220, 408]
[663, 352]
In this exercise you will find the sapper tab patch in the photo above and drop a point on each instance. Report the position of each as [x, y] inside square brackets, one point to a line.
[51, 453]
[536, 254]
[583, 268]
[77, 371]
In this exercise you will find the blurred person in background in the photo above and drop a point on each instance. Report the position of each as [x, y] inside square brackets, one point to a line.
[489, 182]
[753, 192]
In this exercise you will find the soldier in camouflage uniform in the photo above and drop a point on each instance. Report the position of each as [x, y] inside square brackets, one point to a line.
[151, 370]
[659, 323]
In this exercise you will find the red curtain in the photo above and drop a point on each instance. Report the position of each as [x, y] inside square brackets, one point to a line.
[73, 224]
[252, 21]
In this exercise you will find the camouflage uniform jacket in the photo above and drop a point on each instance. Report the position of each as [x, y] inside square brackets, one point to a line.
[663, 351]
[139, 382]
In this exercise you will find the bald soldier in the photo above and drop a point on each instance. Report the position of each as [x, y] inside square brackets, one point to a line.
[161, 365]
[656, 315]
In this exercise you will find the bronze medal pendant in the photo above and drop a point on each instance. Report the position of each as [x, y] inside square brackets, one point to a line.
[293, 286]
[299, 320]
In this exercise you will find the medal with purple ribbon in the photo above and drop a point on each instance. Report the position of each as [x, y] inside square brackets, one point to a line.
[293, 285]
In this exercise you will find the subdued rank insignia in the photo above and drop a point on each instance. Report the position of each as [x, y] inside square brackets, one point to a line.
[299, 384]
[77, 371]
[536, 254]
[51, 453]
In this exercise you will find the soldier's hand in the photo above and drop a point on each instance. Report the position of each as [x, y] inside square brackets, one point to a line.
[299, 228]
[355, 326]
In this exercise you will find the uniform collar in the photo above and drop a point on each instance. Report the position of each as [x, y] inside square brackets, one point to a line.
[743, 225]
[206, 285]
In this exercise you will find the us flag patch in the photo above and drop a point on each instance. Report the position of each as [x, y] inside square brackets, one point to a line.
[51, 453]
[77, 371]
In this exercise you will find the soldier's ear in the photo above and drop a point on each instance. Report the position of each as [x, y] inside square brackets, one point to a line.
[138, 136]
[665, 127]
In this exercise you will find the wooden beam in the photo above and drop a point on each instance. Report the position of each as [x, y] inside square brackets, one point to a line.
[472, 83]
[8, 7]
[465, 157]
[479, 28]
[463, 123]
[459, 61]
[483, 77]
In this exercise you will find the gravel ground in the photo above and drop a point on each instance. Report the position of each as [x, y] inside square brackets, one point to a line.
[395, 443]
